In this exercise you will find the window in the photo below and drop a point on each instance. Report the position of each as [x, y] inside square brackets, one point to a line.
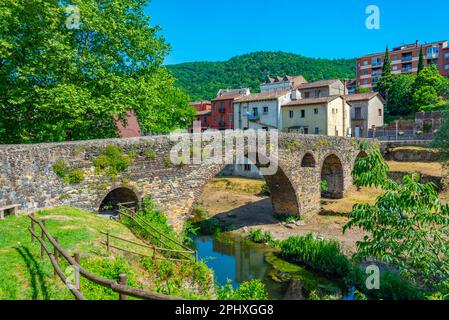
[395, 68]
[446, 67]
[380, 112]
[303, 113]
[446, 56]
[214, 106]
[265, 110]
[291, 114]
[247, 167]
[255, 112]
[365, 72]
[316, 111]
[222, 104]
[365, 63]
[306, 95]
[433, 52]
[317, 130]
[215, 120]
[365, 81]
[395, 58]
[376, 61]
[231, 117]
[306, 130]
[358, 113]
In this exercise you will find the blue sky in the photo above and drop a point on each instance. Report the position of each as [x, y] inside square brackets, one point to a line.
[212, 30]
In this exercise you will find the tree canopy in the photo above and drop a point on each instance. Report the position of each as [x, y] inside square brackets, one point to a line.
[60, 80]
[203, 79]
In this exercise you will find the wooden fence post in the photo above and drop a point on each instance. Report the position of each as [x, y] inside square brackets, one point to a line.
[107, 243]
[56, 256]
[76, 256]
[32, 228]
[43, 239]
[122, 280]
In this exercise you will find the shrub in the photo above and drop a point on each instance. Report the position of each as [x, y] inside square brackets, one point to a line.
[250, 290]
[150, 154]
[60, 169]
[324, 186]
[199, 213]
[322, 255]
[288, 218]
[113, 160]
[265, 190]
[210, 226]
[392, 286]
[259, 236]
[75, 177]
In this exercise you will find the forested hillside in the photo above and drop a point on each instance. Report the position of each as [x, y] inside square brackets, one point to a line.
[202, 80]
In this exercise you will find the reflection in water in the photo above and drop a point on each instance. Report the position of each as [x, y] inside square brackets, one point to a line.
[238, 261]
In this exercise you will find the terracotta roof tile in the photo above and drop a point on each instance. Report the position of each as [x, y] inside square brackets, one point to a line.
[262, 96]
[361, 96]
[305, 102]
[317, 84]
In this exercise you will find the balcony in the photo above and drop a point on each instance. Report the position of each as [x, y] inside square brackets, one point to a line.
[253, 117]
[407, 70]
[407, 58]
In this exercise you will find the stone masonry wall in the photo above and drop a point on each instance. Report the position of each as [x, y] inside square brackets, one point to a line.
[27, 177]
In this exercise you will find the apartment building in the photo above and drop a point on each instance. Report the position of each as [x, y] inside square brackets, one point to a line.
[222, 111]
[203, 114]
[367, 112]
[404, 60]
[321, 116]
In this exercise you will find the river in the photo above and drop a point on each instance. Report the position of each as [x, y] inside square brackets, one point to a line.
[239, 260]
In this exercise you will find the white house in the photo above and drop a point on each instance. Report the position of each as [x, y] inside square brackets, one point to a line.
[260, 110]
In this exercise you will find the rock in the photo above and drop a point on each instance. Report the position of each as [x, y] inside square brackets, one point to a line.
[300, 223]
[290, 226]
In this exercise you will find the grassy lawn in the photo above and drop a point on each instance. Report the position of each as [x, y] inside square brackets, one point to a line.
[24, 276]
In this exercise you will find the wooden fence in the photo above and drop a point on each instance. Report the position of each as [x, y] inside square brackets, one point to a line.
[119, 287]
[166, 243]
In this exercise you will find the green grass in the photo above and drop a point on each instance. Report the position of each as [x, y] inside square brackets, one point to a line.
[24, 276]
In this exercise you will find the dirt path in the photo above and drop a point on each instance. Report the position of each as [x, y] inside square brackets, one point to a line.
[246, 211]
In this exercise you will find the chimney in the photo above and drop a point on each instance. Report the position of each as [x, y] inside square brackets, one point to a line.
[417, 43]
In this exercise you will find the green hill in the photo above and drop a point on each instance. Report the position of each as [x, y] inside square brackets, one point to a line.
[202, 80]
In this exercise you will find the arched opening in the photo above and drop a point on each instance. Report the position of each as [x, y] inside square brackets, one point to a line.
[124, 196]
[308, 161]
[332, 179]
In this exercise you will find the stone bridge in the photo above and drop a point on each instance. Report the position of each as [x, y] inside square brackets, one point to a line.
[28, 178]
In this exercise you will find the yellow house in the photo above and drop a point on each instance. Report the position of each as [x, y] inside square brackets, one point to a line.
[321, 116]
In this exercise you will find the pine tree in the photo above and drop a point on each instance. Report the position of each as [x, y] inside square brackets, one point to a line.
[387, 63]
[421, 60]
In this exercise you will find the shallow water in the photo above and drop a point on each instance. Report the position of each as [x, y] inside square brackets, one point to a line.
[239, 260]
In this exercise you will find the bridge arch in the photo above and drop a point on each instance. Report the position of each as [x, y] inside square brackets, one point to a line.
[308, 161]
[332, 173]
[284, 196]
[116, 196]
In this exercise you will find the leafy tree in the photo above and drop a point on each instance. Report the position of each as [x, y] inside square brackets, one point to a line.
[59, 83]
[400, 96]
[430, 76]
[407, 226]
[424, 96]
[421, 60]
[363, 90]
[441, 140]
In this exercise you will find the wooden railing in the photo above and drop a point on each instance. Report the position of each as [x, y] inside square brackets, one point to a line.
[166, 244]
[119, 287]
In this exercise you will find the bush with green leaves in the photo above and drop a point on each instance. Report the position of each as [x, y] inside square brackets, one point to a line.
[322, 255]
[407, 227]
[250, 290]
[259, 236]
[60, 169]
[265, 190]
[113, 161]
[75, 177]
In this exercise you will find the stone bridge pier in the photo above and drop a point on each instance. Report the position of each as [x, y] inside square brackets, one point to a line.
[28, 178]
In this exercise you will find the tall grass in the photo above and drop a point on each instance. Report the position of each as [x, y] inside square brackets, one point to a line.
[321, 255]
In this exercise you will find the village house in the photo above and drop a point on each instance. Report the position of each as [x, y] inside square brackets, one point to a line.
[323, 88]
[320, 116]
[260, 110]
[203, 114]
[367, 113]
[281, 84]
[222, 112]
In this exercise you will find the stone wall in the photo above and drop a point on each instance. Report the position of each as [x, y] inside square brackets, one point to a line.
[27, 176]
